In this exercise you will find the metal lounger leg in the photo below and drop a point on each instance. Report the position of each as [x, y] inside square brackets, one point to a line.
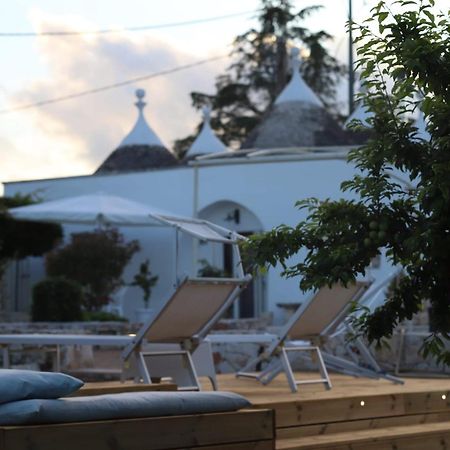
[293, 383]
[203, 361]
[323, 369]
[274, 368]
[370, 361]
[143, 371]
[288, 370]
[366, 355]
[363, 350]
[244, 372]
[401, 345]
[350, 368]
[167, 363]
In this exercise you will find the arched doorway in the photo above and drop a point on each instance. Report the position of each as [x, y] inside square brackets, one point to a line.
[239, 218]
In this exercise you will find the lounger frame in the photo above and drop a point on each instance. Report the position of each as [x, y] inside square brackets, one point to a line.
[185, 320]
[313, 323]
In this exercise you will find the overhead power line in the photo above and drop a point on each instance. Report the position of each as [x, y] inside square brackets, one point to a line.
[111, 86]
[126, 29]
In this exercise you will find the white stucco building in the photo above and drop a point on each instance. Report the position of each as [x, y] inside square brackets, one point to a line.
[298, 151]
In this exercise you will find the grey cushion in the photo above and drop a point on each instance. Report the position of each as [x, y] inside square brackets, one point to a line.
[28, 384]
[119, 406]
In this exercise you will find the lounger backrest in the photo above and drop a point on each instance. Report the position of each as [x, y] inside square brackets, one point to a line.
[322, 311]
[193, 309]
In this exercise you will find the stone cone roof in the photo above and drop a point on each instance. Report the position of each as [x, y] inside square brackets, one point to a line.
[140, 150]
[206, 142]
[297, 118]
[135, 158]
[296, 124]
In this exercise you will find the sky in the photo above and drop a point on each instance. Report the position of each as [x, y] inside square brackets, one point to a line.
[73, 137]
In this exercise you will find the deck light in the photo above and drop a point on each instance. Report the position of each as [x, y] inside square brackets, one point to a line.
[362, 403]
[443, 396]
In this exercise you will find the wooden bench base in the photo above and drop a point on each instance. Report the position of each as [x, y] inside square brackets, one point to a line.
[240, 430]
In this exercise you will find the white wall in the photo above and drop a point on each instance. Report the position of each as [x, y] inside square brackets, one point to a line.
[267, 191]
[270, 191]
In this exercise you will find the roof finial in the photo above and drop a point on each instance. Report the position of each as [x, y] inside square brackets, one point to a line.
[297, 90]
[206, 113]
[295, 60]
[141, 134]
[140, 104]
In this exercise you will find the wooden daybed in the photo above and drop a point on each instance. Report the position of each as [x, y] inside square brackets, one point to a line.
[240, 430]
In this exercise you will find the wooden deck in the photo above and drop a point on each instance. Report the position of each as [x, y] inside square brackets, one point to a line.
[357, 414]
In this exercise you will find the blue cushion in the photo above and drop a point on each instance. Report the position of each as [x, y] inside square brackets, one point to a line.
[119, 406]
[28, 384]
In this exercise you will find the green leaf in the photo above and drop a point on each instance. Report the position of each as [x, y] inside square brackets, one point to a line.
[382, 16]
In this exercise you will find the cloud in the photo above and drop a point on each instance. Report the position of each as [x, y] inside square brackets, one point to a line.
[9, 154]
[89, 128]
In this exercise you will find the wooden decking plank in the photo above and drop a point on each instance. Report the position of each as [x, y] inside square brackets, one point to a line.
[149, 433]
[343, 387]
[391, 436]
[326, 411]
[427, 401]
[256, 445]
[315, 405]
[357, 425]
[364, 407]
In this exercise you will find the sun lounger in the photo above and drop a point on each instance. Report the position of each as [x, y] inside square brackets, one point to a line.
[363, 362]
[309, 324]
[181, 323]
[185, 320]
[307, 330]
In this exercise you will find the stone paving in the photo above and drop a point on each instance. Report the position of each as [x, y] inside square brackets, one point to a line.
[227, 357]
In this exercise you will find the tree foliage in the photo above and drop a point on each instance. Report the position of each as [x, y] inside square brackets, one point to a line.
[96, 261]
[404, 58]
[145, 280]
[260, 71]
[56, 300]
[19, 238]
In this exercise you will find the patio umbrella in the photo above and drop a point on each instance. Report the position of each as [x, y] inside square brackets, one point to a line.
[106, 209]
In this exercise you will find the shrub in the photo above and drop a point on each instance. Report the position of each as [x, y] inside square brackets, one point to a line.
[96, 261]
[145, 281]
[21, 238]
[57, 300]
[209, 271]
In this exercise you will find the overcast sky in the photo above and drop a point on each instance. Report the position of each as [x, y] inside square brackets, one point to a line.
[75, 136]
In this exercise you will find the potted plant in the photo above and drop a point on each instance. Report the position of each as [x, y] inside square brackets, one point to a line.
[145, 280]
[209, 271]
